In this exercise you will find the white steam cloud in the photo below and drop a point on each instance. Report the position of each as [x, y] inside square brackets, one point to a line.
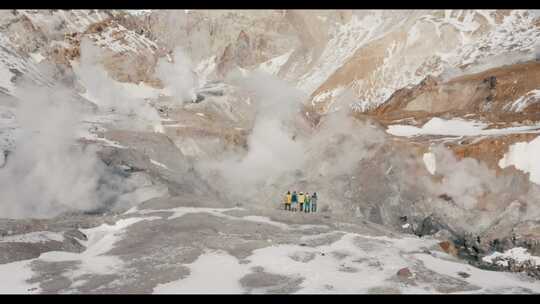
[110, 95]
[178, 77]
[272, 151]
[48, 173]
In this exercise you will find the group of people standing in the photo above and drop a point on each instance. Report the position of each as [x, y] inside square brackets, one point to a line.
[300, 201]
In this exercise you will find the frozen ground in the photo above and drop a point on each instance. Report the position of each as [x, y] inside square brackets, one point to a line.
[172, 246]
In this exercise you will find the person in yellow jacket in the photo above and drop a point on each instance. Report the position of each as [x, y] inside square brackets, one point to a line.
[301, 199]
[287, 200]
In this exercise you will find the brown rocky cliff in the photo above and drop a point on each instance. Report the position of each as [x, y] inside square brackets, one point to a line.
[488, 94]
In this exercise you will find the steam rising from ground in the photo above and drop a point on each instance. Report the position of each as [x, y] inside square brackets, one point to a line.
[178, 77]
[48, 173]
[328, 160]
[272, 151]
[465, 180]
[284, 153]
[111, 95]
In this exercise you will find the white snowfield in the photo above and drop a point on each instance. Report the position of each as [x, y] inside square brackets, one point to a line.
[205, 279]
[355, 263]
[519, 155]
[457, 127]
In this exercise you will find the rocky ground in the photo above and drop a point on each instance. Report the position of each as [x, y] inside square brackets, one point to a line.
[178, 245]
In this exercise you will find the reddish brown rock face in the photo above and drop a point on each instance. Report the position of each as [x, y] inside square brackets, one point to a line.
[487, 95]
[448, 247]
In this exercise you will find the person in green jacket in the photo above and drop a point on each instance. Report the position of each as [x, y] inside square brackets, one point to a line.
[306, 203]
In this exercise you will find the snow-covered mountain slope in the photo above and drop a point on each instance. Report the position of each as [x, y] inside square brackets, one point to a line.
[460, 42]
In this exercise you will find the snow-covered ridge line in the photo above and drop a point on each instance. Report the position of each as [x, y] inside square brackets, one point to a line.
[515, 34]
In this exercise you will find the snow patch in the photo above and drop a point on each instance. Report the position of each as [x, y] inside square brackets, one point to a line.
[263, 219]
[489, 281]
[456, 127]
[430, 162]
[359, 267]
[37, 57]
[330, 94]
[94, 259]
[524, 156]
[159, 164]
[14, 278]
[204, 278]
[273, 65]
[366, 263]
[141, 12]
[517, 254]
